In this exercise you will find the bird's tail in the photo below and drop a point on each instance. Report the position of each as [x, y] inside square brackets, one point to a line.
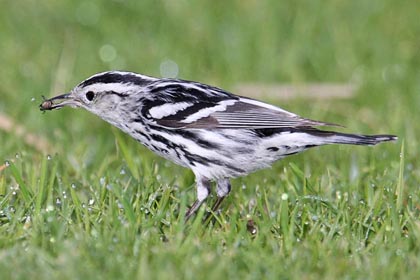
[354, 139]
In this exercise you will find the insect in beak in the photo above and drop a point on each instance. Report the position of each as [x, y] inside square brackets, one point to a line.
[58, 102]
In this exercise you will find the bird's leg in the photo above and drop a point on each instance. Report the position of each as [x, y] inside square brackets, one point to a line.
[217, 204]
[203, 190]
[222, 190]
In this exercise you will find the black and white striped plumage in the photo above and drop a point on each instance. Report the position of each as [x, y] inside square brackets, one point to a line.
[218, 135]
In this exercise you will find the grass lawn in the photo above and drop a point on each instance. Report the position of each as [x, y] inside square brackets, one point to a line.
[81, 200]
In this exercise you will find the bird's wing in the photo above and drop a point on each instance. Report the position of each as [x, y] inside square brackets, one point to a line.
[211, 107]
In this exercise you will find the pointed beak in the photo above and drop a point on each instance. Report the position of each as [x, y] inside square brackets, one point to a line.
[58, 102]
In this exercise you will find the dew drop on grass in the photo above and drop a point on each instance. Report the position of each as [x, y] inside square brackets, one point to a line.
[94, 232]
[49, 157]
[109, 187]
[399, 252]
[91, 201]
[338, 195]
[251, 227]
[58, 201]
[12, 209]
[121, 219]
[49, 208]
[346, 196]
[284, 196]
[17, 156]
[252, 202]
[7, 163]
[73, 185]
[33, 99]
[64, 195]
[410, 167]
[102, 181]
[27, 223]
[122, 171]
[314, 218]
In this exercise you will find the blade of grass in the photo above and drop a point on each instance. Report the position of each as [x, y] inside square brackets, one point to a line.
[40, 196]
[128, 156]
[26, 194]
[400, 186]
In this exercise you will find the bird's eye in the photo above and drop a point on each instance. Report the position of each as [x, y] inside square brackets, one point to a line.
[90, 95]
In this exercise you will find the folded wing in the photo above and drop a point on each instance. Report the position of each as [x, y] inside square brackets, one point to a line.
[223, 110]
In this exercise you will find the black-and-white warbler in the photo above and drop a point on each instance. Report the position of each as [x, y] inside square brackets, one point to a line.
[217, 134]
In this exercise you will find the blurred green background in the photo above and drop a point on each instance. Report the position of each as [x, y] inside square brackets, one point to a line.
[53, 45]
[47, 47]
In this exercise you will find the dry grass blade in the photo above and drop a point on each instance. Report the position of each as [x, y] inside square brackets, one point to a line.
[38, 142]
[287, 91]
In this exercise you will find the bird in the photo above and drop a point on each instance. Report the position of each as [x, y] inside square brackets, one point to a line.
[213, 132]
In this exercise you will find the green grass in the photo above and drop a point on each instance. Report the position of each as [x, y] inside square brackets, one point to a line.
[95, 204]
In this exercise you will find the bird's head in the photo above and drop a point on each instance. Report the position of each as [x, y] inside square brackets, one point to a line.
[100, 94]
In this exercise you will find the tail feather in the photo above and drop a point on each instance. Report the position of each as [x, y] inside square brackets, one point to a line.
[357, 139]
